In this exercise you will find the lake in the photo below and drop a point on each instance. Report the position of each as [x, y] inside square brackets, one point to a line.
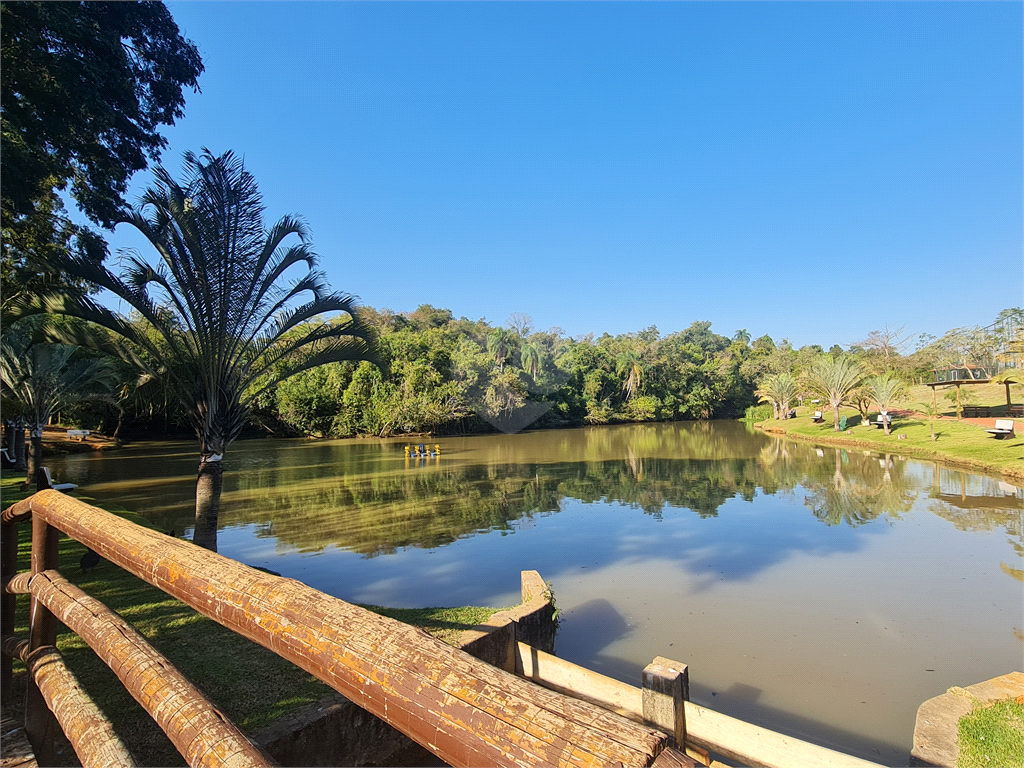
[818, 591]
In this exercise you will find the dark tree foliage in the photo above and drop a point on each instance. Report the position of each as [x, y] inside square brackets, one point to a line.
[85, 87]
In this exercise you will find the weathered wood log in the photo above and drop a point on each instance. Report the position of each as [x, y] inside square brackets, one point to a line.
[464, 711]
[90, 732]
[199, 731]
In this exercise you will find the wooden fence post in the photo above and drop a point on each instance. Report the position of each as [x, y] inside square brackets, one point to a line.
[48, 740]
[8, 601]
[666, 685]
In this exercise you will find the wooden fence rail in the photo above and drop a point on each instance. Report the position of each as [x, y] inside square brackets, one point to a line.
[463, 710]
[91, 733]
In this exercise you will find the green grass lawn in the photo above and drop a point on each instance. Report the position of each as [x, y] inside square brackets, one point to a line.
[250, 684]
[992, 736]
[958, 442]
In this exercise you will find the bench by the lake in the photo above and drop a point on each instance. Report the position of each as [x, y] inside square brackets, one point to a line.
[883, 419]
[43, 480]
[817, 418]
[81, 434]
[1004, 428]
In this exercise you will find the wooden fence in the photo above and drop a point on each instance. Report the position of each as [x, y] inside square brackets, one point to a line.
[465, 711]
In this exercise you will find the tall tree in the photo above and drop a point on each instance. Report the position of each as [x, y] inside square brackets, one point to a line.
[85, 87]
[500, 343]
[628, 364]
[530, 357]
[835, 379]
[230, 326]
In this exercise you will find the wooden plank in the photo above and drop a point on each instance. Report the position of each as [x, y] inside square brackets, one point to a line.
[706, 729]
[199, 731]
[579, 682]
[755, 746]
[463, 710]
[15, 751]
[673, 758]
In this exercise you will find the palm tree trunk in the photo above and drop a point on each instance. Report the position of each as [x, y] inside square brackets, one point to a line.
[35, 455]
[18, 445]
[835, 417]
[208, 489]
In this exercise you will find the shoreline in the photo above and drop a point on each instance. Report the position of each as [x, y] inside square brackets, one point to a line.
[842, 439]
[54, 443]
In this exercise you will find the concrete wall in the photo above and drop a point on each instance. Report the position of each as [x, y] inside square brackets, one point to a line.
[335, 731]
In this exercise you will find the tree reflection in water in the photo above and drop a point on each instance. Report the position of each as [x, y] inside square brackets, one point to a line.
[369, 499]
[365, 496]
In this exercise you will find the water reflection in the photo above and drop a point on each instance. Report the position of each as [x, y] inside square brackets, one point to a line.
[367, 497]
[820, 591]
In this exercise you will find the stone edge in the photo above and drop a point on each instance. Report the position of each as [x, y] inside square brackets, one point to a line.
[936, 741]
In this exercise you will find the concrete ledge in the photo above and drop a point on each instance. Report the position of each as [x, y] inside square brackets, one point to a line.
[531, 622]
[334, 731]
[936, 739]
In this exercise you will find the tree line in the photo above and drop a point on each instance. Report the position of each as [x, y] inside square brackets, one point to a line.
[231, 324]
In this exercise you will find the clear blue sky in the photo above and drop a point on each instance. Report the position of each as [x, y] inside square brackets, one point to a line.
[813, 171]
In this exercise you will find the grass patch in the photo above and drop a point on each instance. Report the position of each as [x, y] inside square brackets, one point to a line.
[252, 685]
[958, 442]
[993, 735]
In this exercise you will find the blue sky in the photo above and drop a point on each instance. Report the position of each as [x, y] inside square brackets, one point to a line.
[813, 171]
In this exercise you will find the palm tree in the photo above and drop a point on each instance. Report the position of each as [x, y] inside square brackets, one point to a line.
[225, 327]
[742, 335]
[41, 379]
[530, 357]
[779, 389]
[628, 364]
[932, 412]
[500, 342]
[835, 378]
[885, 389]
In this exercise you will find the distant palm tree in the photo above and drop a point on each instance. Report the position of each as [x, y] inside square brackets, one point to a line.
[835, 379]
[42, 379]
[530, 357]
[225, 326]
[779, 389]
[742, 335]
[885, 389]
[628, 364]
[500, 343]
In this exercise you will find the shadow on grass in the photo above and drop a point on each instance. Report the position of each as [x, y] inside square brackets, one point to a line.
[252, 685]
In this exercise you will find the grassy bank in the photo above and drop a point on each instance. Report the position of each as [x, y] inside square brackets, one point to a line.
[250, 684]
[958, 442]
[993, 735]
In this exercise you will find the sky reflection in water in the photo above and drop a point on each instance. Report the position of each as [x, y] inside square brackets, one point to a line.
[822, 592]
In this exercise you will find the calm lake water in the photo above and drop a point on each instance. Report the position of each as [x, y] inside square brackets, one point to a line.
[821, 592]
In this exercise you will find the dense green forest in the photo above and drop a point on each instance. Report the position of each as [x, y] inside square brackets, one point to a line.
[447, 375]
